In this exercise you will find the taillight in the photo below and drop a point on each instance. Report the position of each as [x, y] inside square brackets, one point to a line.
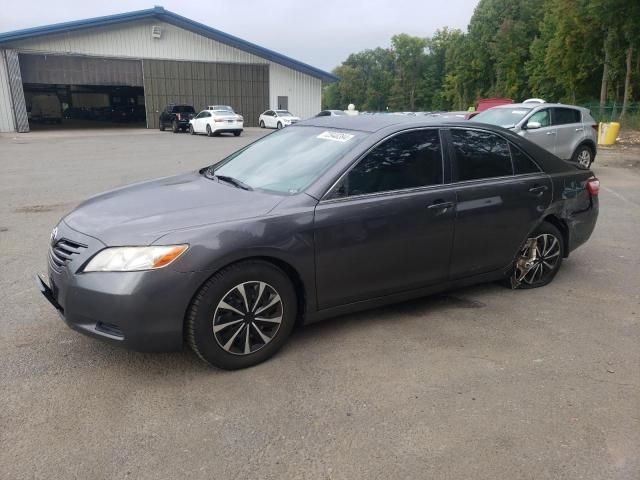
[179, 117]
[593, 186]
[595, 127]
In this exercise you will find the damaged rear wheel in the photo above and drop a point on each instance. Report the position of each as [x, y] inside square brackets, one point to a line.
[539, 259]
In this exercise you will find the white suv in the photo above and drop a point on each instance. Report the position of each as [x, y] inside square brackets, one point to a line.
[568, 131]
[276, 119]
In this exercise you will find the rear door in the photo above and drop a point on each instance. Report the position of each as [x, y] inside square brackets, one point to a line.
[501, 194]
[569, 130]
[545, 136]
[387, 225]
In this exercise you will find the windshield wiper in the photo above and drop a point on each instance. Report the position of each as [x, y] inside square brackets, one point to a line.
[233, 181]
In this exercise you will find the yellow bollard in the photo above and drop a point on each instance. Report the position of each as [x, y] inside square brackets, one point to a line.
[608, 132]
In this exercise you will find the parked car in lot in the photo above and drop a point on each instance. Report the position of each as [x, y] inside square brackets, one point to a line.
[277, 119]
[176, 117]
[331, 113]
[322, 218]
[215, 122]
[565, 130]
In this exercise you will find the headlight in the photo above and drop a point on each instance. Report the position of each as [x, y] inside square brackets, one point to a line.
[131, 259]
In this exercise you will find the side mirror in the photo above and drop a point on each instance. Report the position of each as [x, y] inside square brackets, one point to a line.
[533, 125]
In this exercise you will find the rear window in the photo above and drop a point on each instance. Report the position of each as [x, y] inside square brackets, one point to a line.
[480, 155]
[183, 109]
[562, 116]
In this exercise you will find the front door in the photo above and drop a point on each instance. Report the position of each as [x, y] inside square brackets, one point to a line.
[496, 208]
[545, 136]
[387, 226]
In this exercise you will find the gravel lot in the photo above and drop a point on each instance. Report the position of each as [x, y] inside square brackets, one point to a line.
[482, 383]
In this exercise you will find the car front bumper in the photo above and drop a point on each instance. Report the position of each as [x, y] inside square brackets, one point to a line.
[143, 311]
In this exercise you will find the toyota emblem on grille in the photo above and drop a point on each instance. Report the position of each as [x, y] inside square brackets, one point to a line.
[54, 234]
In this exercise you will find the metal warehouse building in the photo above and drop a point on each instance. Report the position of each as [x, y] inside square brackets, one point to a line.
[145, 60]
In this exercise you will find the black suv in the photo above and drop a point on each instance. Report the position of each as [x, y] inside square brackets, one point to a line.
[177, 117]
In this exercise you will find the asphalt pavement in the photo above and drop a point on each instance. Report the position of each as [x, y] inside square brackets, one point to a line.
[480, 383]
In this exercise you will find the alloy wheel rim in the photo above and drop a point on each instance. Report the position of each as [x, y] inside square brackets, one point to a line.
[538, 259]
[247, 318]
[584, 158]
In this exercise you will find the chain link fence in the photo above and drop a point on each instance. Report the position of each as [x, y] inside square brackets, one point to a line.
[611, 112]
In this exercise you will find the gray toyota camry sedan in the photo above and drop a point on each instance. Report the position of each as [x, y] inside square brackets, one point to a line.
[328, 216]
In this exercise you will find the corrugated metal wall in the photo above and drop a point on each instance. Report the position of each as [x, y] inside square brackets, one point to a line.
[7, 122]
[133, 40]
[244, 87]
[77, 70]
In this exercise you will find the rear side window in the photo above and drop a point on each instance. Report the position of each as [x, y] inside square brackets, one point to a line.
[521, 162]
[562, 116]
[407, 160]
[480, 155]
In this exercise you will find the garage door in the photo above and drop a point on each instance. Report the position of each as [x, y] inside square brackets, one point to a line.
[77, 70]
[243, 86]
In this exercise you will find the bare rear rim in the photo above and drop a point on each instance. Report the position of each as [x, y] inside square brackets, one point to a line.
[538, 260]
[248, 317]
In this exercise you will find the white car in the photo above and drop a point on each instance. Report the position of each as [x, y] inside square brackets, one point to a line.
[276, 119]
[214, 122]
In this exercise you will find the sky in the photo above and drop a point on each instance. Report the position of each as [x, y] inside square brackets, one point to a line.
[321, 33]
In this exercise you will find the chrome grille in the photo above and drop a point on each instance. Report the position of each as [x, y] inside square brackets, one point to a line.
[64, 250]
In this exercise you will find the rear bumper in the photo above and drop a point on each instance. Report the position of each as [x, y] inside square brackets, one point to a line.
[582, 224]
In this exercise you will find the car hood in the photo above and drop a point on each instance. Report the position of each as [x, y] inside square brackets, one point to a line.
[140, 213]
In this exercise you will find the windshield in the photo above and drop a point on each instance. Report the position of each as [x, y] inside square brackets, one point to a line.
[284, 113]
[503, 117]
[288, 160]
[183, 109]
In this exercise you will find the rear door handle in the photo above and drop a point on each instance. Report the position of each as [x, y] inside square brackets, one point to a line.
[551, 133]
[538, 190]
[579, 129]
[440, 204]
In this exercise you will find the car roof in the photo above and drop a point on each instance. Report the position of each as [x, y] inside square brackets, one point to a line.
[536, 105]
[368, 123]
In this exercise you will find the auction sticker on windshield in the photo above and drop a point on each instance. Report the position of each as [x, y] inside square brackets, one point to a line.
[335, 136]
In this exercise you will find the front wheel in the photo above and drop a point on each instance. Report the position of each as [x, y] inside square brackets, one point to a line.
[174, 127]
[242, 315]
[583, 156]
[209, 132]
[261, 124]
[539, 259]
[279, 126]
[191, 130]
[237, 134]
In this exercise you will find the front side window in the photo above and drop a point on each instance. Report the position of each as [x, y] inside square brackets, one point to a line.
[407, 160]
[480, 155]
[563, 116]
[542, 117]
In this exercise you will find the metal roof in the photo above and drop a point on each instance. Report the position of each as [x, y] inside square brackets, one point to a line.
[179, 21]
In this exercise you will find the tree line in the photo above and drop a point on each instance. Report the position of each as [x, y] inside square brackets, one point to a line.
[570, 51]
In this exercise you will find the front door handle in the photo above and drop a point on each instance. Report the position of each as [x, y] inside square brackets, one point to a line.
[551, 133]
[440, 205]
[538, 190]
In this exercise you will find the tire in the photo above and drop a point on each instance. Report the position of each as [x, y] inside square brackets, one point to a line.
[237, 134]
[161, 126]
[263, 284]
[279, 126]
[174, 127]
[209, 132]
[583, 156]
[261, 124]
[530, 272]
[191, 130]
